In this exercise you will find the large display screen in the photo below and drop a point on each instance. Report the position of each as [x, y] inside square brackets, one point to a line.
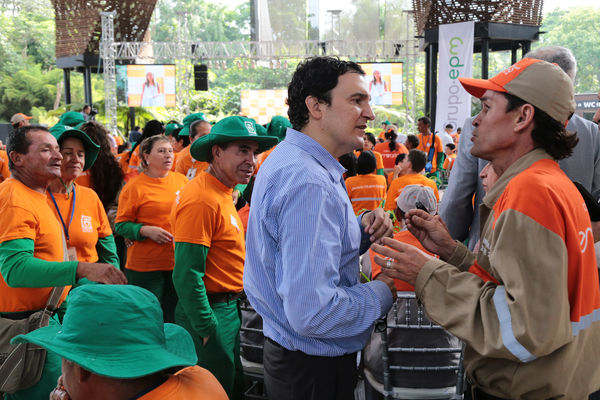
[146, 85]
[385, 83]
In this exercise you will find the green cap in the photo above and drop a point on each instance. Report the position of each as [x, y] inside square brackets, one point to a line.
[386, 122]
[230, 129]
[187, 121]
[61, 132]
[278, 127]
[116, 331]
[71, 118]
[170, 128]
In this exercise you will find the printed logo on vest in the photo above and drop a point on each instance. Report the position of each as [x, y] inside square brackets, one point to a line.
[86, 224]
[250, 128]
[583, 239]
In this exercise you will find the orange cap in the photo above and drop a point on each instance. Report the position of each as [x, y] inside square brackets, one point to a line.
[543, 85]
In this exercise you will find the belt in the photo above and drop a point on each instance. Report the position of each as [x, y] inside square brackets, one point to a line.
[479, 394]
[18, 315]
[225, 297]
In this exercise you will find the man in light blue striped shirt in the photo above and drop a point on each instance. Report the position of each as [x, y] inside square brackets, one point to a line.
[303, 241]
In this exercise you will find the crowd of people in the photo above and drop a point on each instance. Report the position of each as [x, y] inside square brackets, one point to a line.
[152, 244]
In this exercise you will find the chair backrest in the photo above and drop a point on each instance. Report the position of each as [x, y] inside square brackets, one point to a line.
[413, 356]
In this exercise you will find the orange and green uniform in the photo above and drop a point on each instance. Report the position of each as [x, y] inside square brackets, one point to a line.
[389, 156]
[85, 179]
[133, 164]
[148, 201]
[425, 143]
[449, 162]
[189, 383]
[378, 160]
[186, 164]
[366, 192]
[4, 171]
[31, 264]
[89, 230]
[209, 266]
[123, 160]
[527, 305]
[404, 180]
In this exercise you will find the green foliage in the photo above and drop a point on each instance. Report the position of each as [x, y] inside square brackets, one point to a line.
[577, 28]
[206, 21]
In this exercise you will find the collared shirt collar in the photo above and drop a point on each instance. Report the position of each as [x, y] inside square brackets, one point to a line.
[516, 168]
[316, 151]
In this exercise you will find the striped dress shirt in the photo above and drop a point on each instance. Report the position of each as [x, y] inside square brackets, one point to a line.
[302, 251]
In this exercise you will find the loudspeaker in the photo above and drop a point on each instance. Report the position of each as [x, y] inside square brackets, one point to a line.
[200, 77]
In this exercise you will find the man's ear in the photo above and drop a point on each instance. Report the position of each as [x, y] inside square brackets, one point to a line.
[16, 158]
[524, 116]
[314, 107]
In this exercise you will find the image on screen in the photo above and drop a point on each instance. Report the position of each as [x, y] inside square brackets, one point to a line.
[146, 85]
[385, 83]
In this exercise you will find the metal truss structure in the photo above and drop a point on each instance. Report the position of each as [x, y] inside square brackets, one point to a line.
[184, 53]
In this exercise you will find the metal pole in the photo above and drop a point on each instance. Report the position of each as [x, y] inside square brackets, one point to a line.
[107, 52]
[67, 80]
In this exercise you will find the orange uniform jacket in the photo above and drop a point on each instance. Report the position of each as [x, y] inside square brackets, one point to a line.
[366, 192]
[404, 180]
[389, 157]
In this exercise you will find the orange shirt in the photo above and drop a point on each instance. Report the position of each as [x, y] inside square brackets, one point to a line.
[4, 171]
[189, 383]
[389, 157]
[244, 214]
[409, 179]
[89, 220]
[26, 215]
[148, 201]
[405, 237]
[425, 144]
[175, 156]
[134, 163]
[85, 179]
[186, 164]
[449, 162]
[204, 214]
[262, 157]
[378, 158]
[366, 192]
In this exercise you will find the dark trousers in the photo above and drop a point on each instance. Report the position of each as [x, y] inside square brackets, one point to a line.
[294, 375]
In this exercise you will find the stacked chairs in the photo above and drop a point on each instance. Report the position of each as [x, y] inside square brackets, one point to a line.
[410, 357]
[252, 342]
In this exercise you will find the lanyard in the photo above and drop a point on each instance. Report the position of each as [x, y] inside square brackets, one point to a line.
[65, 226]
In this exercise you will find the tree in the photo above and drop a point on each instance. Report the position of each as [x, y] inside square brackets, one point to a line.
[578, 29]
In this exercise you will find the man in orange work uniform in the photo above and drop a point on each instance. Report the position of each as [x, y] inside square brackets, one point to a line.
[133, 350]
[210, 248]
[411, 168]
[435, 155]
[32, 259]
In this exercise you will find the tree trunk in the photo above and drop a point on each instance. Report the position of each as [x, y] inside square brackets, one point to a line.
[59, 88]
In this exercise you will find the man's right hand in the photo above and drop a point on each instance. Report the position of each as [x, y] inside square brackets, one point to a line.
[431, 232]
[390, 282]
[100, 272]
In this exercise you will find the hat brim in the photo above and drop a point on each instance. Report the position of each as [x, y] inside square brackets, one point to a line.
[201, 146]
[477, 87]
[91, 149]
[185, 131]
[143, 360]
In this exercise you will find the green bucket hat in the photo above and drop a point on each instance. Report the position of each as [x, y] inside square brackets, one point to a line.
[116, 331]
[278, 127]
[187, 121]
[61, 132]
[71, 118]
[230, 129]
[170, 128]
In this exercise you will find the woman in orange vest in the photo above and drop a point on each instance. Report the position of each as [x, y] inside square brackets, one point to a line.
[366, 190]
[390, 149]
[143, 217]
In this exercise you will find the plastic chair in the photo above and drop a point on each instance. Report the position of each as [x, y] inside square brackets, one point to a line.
[410, 357]
[251, 350]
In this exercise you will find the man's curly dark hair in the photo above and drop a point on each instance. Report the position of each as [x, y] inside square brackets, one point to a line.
[315, 76]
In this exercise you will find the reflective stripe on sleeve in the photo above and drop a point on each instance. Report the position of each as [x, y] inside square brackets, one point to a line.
[366, 199]
[506, 329]
[585, 322]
